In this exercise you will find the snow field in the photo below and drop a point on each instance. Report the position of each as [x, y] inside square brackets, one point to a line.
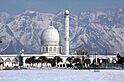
[61, 75]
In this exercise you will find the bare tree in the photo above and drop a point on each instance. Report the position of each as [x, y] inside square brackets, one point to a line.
[84, 53]
[43, 59]
[57, 59]
[30, 60]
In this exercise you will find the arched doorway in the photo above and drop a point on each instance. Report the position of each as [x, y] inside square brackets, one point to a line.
[8, 62]
[14, 61]
[1, 62]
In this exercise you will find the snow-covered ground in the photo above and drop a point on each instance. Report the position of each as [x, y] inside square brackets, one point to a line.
[61, 75]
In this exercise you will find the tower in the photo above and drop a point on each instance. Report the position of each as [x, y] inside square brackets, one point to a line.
[66, 16]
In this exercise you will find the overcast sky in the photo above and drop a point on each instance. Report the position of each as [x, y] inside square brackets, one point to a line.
[54, 6]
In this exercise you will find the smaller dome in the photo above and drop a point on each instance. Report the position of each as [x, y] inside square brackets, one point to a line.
[50, 36]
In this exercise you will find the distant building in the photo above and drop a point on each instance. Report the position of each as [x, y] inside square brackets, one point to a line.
[50, 47]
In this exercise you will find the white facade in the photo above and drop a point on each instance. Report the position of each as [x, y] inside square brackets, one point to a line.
[12, 60]
[8, 60]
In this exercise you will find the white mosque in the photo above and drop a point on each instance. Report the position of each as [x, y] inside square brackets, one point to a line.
[49, 47]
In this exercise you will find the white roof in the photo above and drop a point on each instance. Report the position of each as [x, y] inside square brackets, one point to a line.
[50, 36]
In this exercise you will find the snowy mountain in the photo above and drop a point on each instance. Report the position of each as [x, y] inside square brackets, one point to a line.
[98, 31]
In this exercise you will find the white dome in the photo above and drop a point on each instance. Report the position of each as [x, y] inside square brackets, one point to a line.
[50, 36]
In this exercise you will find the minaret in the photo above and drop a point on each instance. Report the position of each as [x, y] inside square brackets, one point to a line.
[66, 16]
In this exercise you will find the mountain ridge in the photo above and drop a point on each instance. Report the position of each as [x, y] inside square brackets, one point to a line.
[97, 31]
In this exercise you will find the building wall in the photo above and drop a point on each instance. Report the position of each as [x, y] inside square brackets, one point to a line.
[8, 60]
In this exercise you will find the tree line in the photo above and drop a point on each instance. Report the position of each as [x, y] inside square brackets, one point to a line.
[79, 62]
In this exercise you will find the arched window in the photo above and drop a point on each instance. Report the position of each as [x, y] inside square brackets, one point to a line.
[1, 60]
[60, 49]
[50, 48]
[54, 49]
[47, 49]
[43, 49]
[15, 61]
[8, 60]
